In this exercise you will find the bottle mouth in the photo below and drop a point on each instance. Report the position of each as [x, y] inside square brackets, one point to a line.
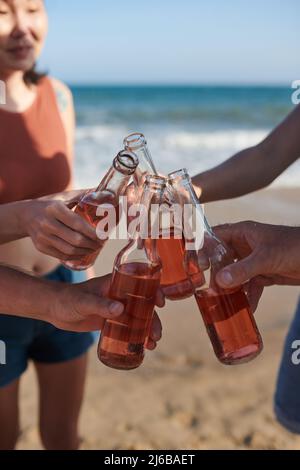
[127, 161]
[156, 182]
[182, 173]
[135, 141]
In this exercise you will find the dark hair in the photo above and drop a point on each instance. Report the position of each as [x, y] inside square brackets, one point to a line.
[32, 76]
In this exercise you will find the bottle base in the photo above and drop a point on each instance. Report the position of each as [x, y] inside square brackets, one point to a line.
[242, 356]
[116, 361]
[179, 291]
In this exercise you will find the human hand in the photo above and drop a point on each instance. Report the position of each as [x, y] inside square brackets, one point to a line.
[267, 254]
[86, 306]
[56, 230]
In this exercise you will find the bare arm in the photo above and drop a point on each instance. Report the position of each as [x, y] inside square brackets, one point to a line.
[72, 307]
[13, 218]
[54, 229]
[55, 302]
[255, 167]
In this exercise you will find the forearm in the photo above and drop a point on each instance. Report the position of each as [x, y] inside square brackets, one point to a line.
[255, 167]
[245, 172]
[290, 252]
[26, 296]
[11, 221]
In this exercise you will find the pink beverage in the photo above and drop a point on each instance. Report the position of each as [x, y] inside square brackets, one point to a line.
[230, 325]
[106, 197]
[87, 209]
[175, 283]
[122, 340]
[135, 281]
[226, 313]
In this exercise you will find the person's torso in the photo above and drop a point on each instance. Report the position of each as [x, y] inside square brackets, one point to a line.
[34, 162]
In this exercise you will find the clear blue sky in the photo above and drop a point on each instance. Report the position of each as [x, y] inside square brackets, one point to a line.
[173, 41]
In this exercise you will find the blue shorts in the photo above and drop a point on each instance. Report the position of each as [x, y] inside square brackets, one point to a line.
[40, 341]
[287, 395]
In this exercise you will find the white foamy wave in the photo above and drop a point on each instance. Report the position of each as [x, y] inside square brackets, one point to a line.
[171, 149]
[99, 133]
[215, 139]
[96, 146]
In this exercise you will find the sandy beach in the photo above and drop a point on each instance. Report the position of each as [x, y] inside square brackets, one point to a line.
[182, 398]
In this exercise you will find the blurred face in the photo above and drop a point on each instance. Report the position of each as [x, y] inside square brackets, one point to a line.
[23, 28]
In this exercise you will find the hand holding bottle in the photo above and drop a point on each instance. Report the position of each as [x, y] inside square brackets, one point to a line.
[86, 307]
[135, 282]
[55, 229]
[104, 200]
[268, 254]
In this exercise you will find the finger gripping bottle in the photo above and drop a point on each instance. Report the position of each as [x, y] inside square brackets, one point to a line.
[135, 280]
[105, 198]
[226, 313]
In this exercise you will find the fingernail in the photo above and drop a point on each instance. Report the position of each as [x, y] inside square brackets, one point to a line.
[116, 308]
[226, 278]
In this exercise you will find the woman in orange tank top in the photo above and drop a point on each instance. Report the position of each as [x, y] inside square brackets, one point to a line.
[36, 138]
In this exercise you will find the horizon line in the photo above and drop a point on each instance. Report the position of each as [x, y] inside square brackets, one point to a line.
[181, 84]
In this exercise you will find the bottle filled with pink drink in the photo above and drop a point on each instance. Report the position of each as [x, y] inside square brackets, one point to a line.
[226, 313]
[106, 198]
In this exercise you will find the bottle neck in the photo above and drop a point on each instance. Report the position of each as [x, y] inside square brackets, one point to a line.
[195, 201]
[114, 181]
[184, 193]
[143, 240]
[146, 164]
[149, 211]
[118, 176]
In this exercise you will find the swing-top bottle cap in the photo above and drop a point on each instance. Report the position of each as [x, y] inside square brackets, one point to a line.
[135, 141]
[126, 161]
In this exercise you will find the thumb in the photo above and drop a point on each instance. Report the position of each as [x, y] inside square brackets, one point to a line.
[73, 197]
[101, 306]
[240, 272]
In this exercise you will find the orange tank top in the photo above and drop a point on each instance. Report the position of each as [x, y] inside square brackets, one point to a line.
[33, 149]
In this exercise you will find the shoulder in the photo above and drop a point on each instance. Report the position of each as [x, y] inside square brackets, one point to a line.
[65, 105]
[63, 94]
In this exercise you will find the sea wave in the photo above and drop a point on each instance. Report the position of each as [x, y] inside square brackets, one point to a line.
[171, 148]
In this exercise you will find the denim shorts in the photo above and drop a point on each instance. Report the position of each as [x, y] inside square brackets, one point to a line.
[287, 395]
[27, 339]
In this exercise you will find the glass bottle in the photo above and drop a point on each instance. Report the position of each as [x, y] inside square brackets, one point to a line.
[135, 280]
[174, 281]
[106, 197]
[226, 313]
[137, 143]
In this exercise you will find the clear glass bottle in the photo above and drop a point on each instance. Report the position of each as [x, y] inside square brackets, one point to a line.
[174, 281]
[226, 313]
[135, 280]
[107, 194]
[137, 143]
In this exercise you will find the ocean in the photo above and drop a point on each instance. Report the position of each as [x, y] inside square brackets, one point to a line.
[196, 127]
